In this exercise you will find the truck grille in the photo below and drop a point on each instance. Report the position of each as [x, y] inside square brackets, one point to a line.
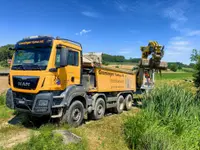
[25, 82]
[27, 99]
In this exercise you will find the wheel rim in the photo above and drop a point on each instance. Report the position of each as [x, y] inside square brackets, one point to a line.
[76, 114]
[121, 104]
[100, 109]
[129, 102]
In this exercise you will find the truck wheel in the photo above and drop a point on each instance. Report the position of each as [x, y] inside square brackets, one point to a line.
[99, 110]
[74, 115]
[128, 102]
[120, 105]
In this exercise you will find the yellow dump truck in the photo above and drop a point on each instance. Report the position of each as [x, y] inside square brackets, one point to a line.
[50, 76]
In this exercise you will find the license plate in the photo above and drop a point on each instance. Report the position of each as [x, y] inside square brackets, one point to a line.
[21, 102]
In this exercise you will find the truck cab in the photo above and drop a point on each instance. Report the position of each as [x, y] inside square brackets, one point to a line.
[41, 69]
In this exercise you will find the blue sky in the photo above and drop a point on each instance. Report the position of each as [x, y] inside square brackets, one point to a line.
[116, 27]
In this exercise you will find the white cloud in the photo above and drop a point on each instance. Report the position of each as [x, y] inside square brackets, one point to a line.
[176, 14]
[179, 43]
[120, 5]
[82, 32]
[90, 14]
[194, 33]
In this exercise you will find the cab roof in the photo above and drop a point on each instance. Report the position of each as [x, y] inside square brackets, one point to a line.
[42, 41]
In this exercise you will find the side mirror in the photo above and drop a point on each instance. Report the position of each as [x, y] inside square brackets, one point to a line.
[63, 57]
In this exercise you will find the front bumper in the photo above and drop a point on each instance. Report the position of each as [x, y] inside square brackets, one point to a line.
[29, 102]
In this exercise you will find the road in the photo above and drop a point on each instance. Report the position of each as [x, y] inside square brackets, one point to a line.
[3, 83]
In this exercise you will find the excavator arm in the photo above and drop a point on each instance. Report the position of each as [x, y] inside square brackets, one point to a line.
[148, 66]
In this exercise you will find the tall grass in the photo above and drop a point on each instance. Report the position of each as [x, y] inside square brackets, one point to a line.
[169, 120]
[5, 112]
[2, 99]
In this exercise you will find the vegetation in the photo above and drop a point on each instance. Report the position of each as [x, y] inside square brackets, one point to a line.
[4, 111]
[169, 120]
[180, 65]
[174, 76]
[174, 67]
[5, 54]
[195, 57]
[118, 59]
[48, 141]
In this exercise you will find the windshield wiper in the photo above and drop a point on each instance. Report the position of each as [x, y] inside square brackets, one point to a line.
[36, 67]
[18, 67]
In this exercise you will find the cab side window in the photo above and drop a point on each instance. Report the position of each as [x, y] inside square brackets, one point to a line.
[57, 63]
[73, 58]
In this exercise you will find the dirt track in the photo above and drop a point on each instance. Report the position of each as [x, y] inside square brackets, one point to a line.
[3, 83]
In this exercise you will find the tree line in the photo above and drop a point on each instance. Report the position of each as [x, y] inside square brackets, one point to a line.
[5, 54]
[118, 58]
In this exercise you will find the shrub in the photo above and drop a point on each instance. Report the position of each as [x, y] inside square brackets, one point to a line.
[105, 63]
[170, 119]
[4, 63]
[173, 67]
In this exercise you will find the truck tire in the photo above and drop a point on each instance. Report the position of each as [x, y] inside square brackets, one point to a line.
[128, 102]
[75, 114]
[99, 110]
[120, 105]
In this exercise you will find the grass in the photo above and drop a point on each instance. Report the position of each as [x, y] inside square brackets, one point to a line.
[170, 120]
[4, 111]
[157, 126]
[174, 76]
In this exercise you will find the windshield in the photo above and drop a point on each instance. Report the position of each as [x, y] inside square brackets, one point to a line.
[31, 59]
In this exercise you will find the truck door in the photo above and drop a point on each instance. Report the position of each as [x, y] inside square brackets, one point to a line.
[70, 73]
[73, 67]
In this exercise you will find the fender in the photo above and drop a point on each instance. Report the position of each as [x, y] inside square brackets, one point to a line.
[125, 92]
[95, 96]
[73, 91]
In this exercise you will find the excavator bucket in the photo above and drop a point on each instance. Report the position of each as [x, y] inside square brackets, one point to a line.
[150, 64]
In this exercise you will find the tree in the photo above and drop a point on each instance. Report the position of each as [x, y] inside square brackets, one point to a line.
[5, 54]
[195, 57]
[173, 67]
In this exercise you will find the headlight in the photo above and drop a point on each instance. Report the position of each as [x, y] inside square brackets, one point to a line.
[43, 103]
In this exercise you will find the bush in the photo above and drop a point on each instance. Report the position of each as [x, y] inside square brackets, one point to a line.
[105, 63]
[116, 66]
[170, 120]
[173, 67]
[4, 63]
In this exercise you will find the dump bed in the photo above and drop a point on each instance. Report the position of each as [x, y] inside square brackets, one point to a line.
[108, 80]
[105, 79]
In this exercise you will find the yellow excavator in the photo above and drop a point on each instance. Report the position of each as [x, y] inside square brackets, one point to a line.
[147, 67]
